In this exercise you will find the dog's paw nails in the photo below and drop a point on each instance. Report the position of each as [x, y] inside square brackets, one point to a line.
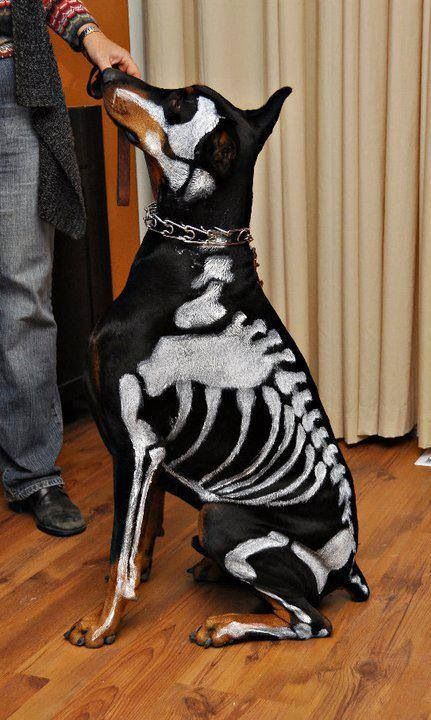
[207, 643]
[192, 636]
[80, 641]
[68, 633]
[109, 640]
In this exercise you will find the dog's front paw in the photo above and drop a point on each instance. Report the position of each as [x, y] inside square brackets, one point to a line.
[92, 631]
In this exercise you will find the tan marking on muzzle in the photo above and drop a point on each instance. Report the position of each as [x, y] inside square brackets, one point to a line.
[134, 118]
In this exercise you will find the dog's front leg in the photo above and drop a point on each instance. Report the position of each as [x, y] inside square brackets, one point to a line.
[137, 521]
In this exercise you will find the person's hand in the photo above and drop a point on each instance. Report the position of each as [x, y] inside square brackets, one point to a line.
[104, 53]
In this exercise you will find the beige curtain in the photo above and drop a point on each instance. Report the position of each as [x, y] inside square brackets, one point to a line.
[342, 208]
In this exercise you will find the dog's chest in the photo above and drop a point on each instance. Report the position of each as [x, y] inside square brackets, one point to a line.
[246, 427]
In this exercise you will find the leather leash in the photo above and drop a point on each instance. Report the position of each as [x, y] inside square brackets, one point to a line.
[94, 89]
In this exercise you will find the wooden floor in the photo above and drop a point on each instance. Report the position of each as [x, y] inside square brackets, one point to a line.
[376, 664]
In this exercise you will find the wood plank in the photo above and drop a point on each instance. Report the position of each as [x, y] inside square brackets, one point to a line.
[375, 665]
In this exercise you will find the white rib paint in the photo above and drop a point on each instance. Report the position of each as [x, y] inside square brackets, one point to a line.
[212, 397]
[289, 425]
[245, 400]
[281, 472]
[273, 403]
[185, 397]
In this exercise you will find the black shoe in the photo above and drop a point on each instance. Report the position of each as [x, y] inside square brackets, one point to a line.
[53, 511]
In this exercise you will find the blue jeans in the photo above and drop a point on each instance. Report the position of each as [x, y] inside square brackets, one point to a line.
[31, 428]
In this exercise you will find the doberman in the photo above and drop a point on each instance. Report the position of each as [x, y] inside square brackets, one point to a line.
[198, 389]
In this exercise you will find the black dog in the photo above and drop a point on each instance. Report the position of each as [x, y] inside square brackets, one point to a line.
[198, 388]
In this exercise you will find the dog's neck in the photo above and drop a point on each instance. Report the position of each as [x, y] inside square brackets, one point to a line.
[228, 207]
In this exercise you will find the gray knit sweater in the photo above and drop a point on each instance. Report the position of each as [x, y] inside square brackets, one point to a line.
[39, 88]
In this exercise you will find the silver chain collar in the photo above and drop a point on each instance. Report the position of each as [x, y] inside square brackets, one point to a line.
[194, 235]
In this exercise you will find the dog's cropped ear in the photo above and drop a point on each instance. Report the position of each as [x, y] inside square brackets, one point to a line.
[263, 119]
[217, 151]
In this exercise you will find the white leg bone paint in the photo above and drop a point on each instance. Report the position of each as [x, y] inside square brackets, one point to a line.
[142, 438]
[301, 630]
[300, 614]
[237, 630]
[332, 556]
[236, 561]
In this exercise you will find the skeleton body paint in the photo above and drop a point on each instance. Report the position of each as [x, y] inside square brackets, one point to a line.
[182, 139]
[202, 392]
[295, 458]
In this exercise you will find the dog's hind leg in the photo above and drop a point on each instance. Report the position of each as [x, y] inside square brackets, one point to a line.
[293, 620]
[207, 570]
[250, 552]
[356, 585]
[135, 526]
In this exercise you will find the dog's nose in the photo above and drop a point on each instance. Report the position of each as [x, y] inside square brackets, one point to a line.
[112, 75]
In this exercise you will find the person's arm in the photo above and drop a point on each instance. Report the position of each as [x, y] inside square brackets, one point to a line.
[69, 18]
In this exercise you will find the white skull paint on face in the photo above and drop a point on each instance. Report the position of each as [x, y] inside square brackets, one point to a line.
[183, 139]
